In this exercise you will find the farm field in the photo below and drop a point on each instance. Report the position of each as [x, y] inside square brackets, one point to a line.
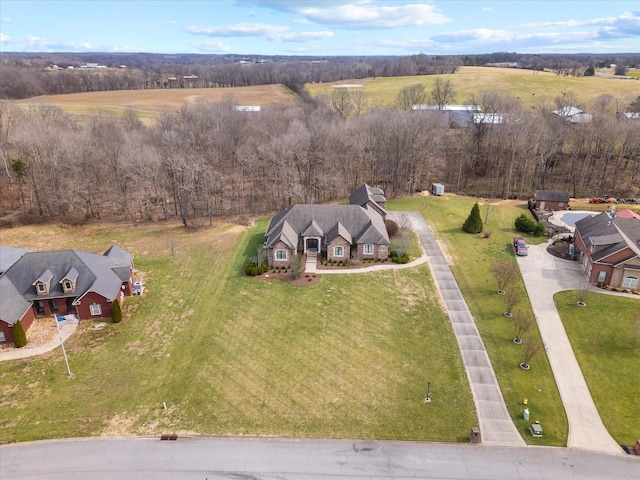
[150, 103]
[233, 355]
[531, 88]
[470, 258]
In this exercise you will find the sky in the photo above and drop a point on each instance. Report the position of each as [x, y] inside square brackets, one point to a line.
[320, 27]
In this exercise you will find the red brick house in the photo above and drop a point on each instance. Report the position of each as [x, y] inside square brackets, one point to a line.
[550, 200]
[41, 284]
[339, 232]
[609, 249]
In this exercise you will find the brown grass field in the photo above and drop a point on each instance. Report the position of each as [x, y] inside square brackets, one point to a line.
[150, 103]
[532, 89]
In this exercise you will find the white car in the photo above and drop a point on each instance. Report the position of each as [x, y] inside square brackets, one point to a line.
[138, 288]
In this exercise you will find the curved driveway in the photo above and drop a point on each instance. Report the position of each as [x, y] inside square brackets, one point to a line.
[543, 276]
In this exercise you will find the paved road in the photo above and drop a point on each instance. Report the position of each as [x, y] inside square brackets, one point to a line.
[496, 426]
[544, 275]
[298, 459]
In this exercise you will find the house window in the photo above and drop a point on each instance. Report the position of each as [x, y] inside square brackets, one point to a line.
[630, 282]
[95, 309]
[2, 337]
[281, 255]
[66, 286]
[602, 276]
[383, 248]
[368, 249]
[42, 288]
[338, 251]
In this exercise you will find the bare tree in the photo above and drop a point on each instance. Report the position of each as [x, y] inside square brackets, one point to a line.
[532, 348]
[410, 96]
[522, 323]
[401, 242]
[442, 92]
[359, 99]
[505, 273]
[341, 102]
[583, 285]
[489, 208]
[511, 299]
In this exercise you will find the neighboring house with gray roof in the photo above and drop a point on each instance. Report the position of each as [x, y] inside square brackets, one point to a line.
[339, 232]
[610, 250]
[551, 200]
[40, 284]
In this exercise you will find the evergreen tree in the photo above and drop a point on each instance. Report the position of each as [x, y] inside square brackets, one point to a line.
[116, 312]
[19, 335]
[473, 223]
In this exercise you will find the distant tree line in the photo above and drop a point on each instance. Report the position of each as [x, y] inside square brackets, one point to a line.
[24, 78]
[210, 160]
[25, 75]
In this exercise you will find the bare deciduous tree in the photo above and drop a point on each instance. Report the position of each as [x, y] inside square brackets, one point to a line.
[532, 348]
[442, 92]
[522, 323]
[410, 96]
[505, 273]
[511, 299]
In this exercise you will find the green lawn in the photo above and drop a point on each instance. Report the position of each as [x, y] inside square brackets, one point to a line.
[471, 257]
[605, 336]
[347, 357]
[530, 88]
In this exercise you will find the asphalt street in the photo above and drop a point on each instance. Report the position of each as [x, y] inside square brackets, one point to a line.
[231, 458]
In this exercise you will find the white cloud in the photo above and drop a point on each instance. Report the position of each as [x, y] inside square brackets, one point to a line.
[4, 38]
[277, 33]
[487, 10]
[6, 19]
[239, 30]
[32, 43]
[372, 17]
[214, 46]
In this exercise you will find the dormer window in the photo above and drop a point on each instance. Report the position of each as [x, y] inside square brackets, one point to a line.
[43, 282]
[69, 281]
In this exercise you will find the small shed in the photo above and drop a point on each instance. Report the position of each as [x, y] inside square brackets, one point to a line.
[551, 200]
[437, 188]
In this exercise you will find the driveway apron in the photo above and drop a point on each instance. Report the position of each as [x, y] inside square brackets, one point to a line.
[543, 276]
[496, 426]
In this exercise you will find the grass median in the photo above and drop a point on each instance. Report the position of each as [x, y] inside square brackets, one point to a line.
[470, 258]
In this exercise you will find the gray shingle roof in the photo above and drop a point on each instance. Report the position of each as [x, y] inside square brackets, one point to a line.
[552, 196]
[102, 274]
[614, 234]
[362, 224]
[9, 256]
[366, 194]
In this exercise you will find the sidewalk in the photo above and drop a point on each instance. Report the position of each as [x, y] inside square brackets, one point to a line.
[25, 352]
[544, 275]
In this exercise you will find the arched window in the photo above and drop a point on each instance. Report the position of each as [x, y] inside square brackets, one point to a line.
[630, 282]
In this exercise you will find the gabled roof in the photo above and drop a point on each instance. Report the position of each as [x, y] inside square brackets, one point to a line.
[102, 274]
[9, 256]
[357, 221]
[551, 196]
[312, 230]
[339, 230]
[13, 306]
[366, 195]
[614, 234]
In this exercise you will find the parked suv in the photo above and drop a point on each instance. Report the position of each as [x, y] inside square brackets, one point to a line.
[520, 246]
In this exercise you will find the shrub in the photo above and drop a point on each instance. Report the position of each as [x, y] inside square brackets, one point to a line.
[251, 270]
[473, 223]
[19, 335]
[264, 268]
[401, 260]
[116, 311]
[524, 223]
[487, 233]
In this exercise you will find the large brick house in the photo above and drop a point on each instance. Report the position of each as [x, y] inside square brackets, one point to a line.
[340, 232]
[41, 284]
[609, 249]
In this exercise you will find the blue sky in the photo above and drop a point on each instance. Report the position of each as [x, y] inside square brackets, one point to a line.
[320, 27]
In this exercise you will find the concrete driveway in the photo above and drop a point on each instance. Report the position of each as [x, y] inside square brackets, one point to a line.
[543, 276]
